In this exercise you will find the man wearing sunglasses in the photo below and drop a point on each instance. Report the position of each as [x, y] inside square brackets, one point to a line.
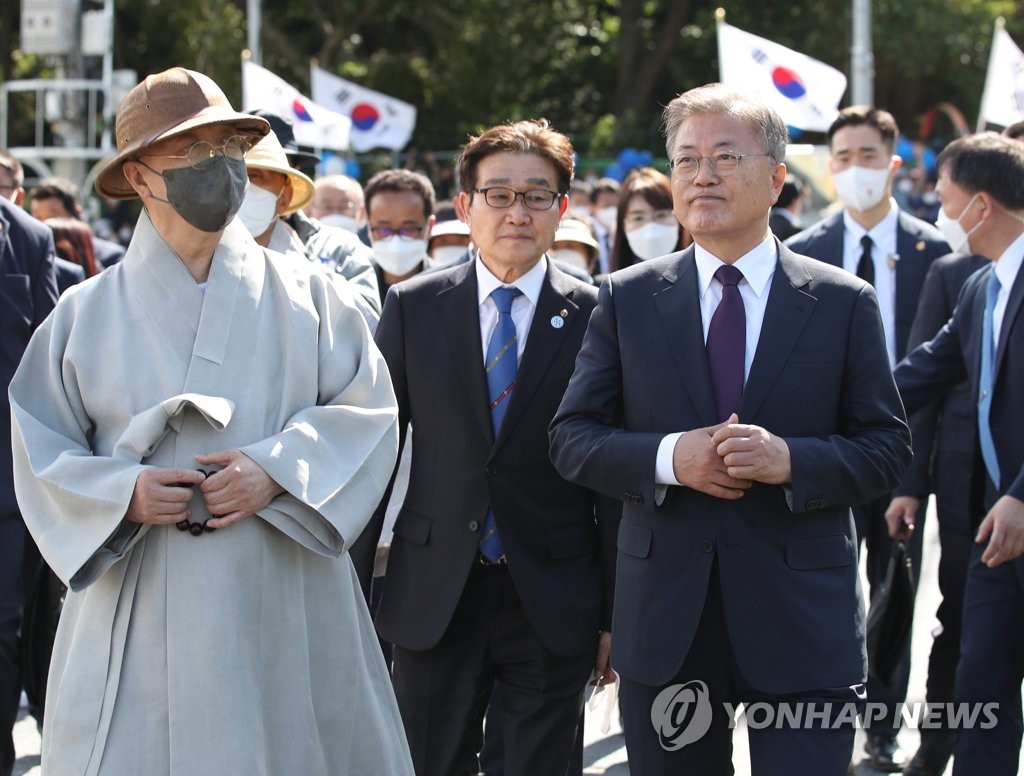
[197, 480]
[499, 571]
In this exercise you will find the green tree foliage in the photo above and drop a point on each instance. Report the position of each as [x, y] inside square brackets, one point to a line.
[599, 70]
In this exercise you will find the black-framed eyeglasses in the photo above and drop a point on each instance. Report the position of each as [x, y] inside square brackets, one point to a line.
[405, 232]
[722, 163]
[202, 154]
[502, 198]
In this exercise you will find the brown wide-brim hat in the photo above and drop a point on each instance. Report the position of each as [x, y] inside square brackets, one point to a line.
[162, 106]
[269, 154]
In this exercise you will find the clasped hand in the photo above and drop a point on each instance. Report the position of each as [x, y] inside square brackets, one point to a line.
[725, 460]
[239, 489]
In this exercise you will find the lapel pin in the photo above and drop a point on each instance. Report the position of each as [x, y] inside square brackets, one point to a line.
[892, 259]
[919, 245]
[557, 322]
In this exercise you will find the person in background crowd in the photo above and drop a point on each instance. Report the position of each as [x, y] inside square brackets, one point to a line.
[399, 216]
[338, 201]
[575, 244]
[981, 187]
[646, 226]
[335, 248]
[500, 571]
[58, 198]
[579, 196]
[604, 200]
[890, 249]
[73, 241]
[198, 480]
[784, 220]
[449, 242]
[738, 399]
[28, 288]
[303, 160]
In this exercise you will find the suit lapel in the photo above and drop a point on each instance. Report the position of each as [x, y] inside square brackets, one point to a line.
[460, 312]
[789, 308]
[832, 242]
[542, 344]
[678, 306]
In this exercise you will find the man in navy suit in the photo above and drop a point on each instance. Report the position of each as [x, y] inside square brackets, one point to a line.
[738, 398]
[28, 291]
[892, 250]
[981, 187]
[500, 571]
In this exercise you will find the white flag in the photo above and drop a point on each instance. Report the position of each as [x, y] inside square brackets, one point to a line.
[1002, 102]
[378, 121]
[804, 91]
[314, 125]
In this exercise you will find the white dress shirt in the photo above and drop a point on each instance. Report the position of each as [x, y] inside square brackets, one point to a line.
[883, 248]
[523, 306]
[1006, 268]
[758, 268]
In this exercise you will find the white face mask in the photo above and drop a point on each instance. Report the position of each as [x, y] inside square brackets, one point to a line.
[958, 239]
[397, 255]
[258, 210]
[348, 223]
[607, 215]
[652, 240]
[861, 188]
[570, 257]
[445, 255]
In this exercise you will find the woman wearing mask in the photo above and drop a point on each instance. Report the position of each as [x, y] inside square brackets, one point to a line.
[646, 227]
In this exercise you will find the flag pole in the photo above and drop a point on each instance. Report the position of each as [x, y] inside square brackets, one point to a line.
[719, 21]
[998, 27]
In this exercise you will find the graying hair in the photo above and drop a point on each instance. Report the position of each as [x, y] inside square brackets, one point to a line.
[718, 98]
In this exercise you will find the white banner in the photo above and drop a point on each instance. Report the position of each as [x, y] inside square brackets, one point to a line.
[804, 91]
[1002, 102]
[314, 125]
[378, 121]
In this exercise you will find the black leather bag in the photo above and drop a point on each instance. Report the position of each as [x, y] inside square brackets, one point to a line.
[890, 616]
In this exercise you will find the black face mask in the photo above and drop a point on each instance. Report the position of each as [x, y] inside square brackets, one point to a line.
[208, 198]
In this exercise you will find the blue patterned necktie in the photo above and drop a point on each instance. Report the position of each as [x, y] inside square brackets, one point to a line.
[988, 348]
[500, 366]
[727, 343]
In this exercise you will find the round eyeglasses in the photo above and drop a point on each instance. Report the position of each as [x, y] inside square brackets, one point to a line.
[202, 154]
[535, 199]
[723, 163]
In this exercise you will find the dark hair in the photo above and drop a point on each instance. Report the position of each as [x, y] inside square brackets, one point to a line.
[866, 115]
[1015, 131]
[603, 186]
[656, 188]
[986, 162]
[62, 189]
[792, 188]
[401, 180]
[72, 240]
[522, 137]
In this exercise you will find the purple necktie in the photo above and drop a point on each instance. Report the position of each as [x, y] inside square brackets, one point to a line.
[727, 343]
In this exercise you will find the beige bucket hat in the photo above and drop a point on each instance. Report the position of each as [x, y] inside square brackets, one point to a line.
[269, 154]
[164, 105]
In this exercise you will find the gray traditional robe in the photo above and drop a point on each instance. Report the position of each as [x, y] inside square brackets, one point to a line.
[245, 651]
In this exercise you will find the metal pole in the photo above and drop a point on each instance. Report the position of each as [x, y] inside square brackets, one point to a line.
[253, 23]
[108, 76]
[862, 60]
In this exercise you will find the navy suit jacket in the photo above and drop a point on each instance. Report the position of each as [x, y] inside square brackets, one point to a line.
[948, 422]
[918, 244]
[559, 537]
[28, 292]
[954, 355]
[821, 380]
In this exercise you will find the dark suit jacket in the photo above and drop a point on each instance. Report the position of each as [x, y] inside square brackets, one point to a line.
[107, 253]
[918, 244]
[68, 274]
[820, 379]
[947, 423]
[781, 226]
[954, 355]
[561, 559]
[28, 291]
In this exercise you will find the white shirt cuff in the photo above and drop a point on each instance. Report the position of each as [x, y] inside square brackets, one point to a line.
[664, 471]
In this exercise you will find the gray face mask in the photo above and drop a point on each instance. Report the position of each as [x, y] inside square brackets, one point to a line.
[208, 198]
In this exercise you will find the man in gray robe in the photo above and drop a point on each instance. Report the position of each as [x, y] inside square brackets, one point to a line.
[197, 480]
